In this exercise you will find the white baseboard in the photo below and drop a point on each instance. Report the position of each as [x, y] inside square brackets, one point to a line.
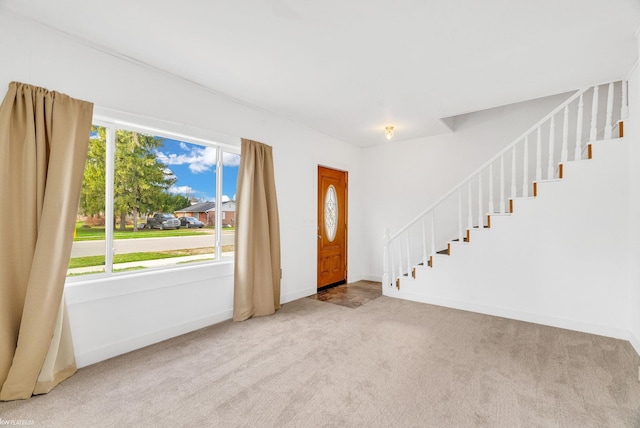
[635, 342]
[297, 295]
[535, 318]
[111, 350]
[375, 278]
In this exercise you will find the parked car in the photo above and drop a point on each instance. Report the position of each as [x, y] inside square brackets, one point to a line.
[163, 221]
[190, 222]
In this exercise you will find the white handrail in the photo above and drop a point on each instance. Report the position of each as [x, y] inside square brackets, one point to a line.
[490, 161]
[402, 250]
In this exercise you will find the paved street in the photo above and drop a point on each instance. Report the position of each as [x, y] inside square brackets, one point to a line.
[149, 263]
[123, 246]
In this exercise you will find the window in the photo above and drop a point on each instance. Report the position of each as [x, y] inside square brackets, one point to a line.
[156, 201]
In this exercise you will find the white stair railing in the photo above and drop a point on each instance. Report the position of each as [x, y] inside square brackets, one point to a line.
[474, 197]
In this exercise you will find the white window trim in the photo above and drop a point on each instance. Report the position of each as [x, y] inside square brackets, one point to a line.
[111, 124]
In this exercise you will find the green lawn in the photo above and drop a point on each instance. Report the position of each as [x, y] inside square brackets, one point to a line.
[96, 233]
[84, 233]
[78, 262]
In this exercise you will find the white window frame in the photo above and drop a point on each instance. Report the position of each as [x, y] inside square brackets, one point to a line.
[111, 125]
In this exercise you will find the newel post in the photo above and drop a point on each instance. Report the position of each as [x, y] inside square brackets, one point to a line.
[386, 280]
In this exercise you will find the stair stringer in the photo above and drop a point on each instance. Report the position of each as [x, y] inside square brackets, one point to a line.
[560, 259]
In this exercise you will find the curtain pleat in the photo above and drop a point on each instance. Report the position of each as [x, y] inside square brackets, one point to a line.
[43, 146]
[257, 235]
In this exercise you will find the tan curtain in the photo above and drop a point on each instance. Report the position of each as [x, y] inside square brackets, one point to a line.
[43, 148]
[257, 240]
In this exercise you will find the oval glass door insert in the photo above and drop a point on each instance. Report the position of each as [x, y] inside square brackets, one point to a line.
[331, 213]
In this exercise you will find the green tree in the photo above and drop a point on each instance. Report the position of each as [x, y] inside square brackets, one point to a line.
[92, 196]
[141, 180]
[171, 203]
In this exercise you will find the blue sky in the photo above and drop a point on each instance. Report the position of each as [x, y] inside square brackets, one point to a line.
[195, 168]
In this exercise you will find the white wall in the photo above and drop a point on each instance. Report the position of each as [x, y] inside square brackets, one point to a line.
[404, 178]
[632, 131]
[560, 259]
[112, 316]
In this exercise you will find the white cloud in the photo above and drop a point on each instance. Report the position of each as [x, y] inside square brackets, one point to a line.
[162, 157]
[224, 198]
[168, 174]
[182, 190]
[230, 159]
[192, 193]
[199, 159]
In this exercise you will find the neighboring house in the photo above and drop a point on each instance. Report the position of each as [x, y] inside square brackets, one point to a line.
[206, 213]
[198, 211]
[228, 209]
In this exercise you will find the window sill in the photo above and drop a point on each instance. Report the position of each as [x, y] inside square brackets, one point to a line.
[105, 287]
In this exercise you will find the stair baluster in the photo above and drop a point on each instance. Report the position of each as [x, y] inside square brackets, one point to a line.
[513, 172]
[460, 237]
[480, 213]
[565, 135]
[408, 254]
[424, 242]
[399, 258]
[539, 154]
[491, 189]
[608, 127]
[552, 141]
[433, 236]
[594, 115]
[470, 216]
[578, 151]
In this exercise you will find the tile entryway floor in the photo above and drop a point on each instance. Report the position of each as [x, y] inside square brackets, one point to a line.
[351, 295]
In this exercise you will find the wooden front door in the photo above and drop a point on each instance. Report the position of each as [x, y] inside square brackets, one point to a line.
[332, 227]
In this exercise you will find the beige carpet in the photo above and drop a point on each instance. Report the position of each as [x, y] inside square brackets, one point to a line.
[388, 363]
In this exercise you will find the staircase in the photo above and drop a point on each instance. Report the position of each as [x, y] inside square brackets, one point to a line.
[497, 242]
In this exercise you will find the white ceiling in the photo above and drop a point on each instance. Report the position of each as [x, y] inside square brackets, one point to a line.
[347, 68]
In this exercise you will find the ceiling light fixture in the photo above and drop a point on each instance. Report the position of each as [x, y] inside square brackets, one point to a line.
[388, 132]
